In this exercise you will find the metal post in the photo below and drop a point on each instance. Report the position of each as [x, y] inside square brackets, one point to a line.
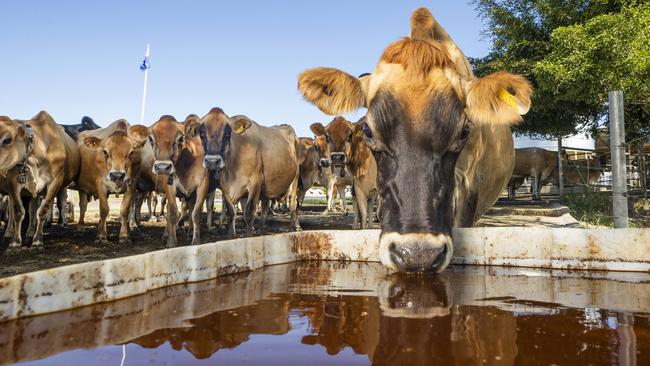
[617, 146]
[560, 169]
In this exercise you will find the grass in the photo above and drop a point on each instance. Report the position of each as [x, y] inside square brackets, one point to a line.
[594, 209]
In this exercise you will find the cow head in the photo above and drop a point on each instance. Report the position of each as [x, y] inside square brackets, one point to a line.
[320, 143]
[422, 101]
[338, 137]
[215, 130]
[14, 143]
[167, 138]
[121, 152]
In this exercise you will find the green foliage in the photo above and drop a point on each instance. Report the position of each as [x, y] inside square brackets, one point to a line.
[590, 208]
[573, 52]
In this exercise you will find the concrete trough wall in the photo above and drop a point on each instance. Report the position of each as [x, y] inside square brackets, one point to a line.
[84, 284]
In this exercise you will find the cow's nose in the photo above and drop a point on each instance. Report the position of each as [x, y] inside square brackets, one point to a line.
[324, 163]
[213, 162]
[163, 167]
[337, 158]
[416, 257]
[117, 176]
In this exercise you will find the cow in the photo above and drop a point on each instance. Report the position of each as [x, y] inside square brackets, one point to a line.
[86, 124]
[178, 169]
[348, 149]
[37, 160]
[110, 163]
[309, 168]
[333, 183]
[577, 172]
[532, 162]
[441, 138]
[255, 162]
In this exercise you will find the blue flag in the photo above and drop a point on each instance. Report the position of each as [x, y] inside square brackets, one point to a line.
[145, 63]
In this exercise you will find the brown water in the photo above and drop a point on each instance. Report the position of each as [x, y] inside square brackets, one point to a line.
[353, 314]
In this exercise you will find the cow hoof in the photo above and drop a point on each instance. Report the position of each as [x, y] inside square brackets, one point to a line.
[101, 241]
[171, 244]
[124, 241]
[13, 248]
[37, 245]
[196, 242]
[82, 223]
[153, 219]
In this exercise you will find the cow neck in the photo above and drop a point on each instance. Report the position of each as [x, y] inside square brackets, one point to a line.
[360, 154]
[22, 166]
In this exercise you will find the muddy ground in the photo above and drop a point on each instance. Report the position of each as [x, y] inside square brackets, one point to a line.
[76, 243]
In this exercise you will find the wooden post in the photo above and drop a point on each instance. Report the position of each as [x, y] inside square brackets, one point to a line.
[617, 146]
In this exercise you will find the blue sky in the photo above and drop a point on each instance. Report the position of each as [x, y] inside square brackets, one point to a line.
[75, 58]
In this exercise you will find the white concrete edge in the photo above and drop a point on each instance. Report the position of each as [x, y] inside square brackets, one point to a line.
[73, 286]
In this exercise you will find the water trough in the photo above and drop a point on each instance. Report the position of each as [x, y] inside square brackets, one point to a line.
[89, 283]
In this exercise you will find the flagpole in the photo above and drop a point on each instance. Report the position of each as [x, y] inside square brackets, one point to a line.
[144, 93]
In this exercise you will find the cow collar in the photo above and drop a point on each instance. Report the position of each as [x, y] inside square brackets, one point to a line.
[22, 166]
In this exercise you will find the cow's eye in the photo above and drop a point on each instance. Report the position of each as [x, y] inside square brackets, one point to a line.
[366, 131]
[6, 141]
[105, 152]
[349, 137]
[464, 134]
[150, 138]
[327, 137]
[131, 153]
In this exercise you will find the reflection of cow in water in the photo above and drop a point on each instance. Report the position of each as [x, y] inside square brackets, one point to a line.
[541, 165]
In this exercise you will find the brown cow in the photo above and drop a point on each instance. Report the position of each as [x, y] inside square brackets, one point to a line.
[309, 170]
[577, 172]
[111, 165]
[37, 159]
[178, 167]
[252, 161]
[532, 162]
[348, 149]
[335, 183]
[441, 138]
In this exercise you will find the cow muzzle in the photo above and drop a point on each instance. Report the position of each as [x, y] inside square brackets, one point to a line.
[337, 158]
[117, 176]
[415, 252]
[324, 163]
[163, 167]
[213, 162]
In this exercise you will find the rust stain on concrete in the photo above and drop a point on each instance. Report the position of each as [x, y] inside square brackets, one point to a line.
[311, 246]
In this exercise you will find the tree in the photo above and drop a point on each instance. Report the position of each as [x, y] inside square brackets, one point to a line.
[538, 37]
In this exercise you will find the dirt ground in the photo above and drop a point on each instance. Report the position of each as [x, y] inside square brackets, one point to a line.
[76, 243]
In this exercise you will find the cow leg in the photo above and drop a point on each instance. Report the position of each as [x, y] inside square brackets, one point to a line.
[32, 207]
[102, 236]
[172, 215]
[371, 206]
[362, 206]
[154, 201]
[125, 218]
[61, 199]
[536, 185]
[201, 194]
[251, 208]
[293, 204]
[264, 203]
[186, 205]
[511, 190]
[163, 204]
[50, 217]
[52, 190]
[209, 206]
[232, 216]
[16, 220]
[83, 205]
[149, 206]
[133, 218]
[344, 206]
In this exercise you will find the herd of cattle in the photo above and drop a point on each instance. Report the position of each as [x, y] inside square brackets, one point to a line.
[251, 164]
[433, 151]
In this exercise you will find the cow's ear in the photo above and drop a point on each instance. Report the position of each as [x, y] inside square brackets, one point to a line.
[317, 129]
[192, 127]
[308, 144]
[92, 142]
[332, 91]
[139, 134]
[499, 98]
[240, 125]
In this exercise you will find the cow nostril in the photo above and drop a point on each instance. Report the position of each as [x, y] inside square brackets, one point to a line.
[117, 176]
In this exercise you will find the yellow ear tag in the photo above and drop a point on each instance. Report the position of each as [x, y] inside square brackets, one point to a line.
[509, 99]
[240, 129]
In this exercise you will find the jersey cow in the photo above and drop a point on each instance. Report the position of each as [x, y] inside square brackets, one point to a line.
[178, 166]
[37, 161]
[441, 138]
[532, 162]
[110, 163]
[348, 151]
[333, 182]
[255, 162]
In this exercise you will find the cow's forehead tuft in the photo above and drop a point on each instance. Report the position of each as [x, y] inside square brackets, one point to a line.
[338, 129]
